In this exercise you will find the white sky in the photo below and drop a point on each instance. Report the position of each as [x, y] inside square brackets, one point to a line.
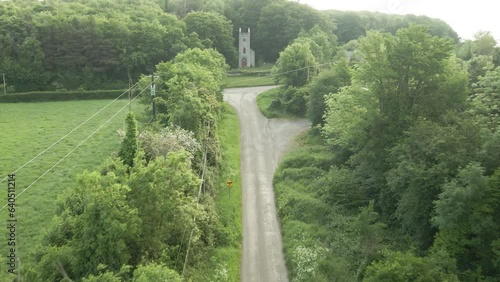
[466, 17]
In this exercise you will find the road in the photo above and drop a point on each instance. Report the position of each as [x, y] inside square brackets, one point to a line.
[263, 143]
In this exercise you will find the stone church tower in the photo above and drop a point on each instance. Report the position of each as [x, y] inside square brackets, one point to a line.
[246, 55]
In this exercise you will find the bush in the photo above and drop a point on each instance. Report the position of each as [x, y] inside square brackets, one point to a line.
[45, 96]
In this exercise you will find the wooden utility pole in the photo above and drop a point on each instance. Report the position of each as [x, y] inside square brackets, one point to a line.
[4, 85]
[153, 94]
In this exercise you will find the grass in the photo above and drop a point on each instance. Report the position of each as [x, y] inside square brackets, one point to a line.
[265, 104]
[29, 128]
[248, 80]
[224, 262]
[319, 240]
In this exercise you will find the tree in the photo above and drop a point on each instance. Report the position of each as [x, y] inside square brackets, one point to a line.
[466, 217]
[95, 228]
[280, 23]
[322, 44]
[484, 43]
[155, 272]
[164, 191]
[349, 116]
[327, 82]
[486, 98]
[295, 66]
[128, 147]
[398, 266]
[421, 163]
[217, 30]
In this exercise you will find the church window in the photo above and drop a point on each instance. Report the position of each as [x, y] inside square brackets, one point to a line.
[244, 50]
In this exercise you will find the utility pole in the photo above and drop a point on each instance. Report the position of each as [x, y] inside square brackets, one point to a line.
[153, 94]
[4, 85]
[129, 95]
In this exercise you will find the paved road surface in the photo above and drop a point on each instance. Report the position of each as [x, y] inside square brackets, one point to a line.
[263, 142]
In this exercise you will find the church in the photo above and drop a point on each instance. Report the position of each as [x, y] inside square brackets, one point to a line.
[246, 55]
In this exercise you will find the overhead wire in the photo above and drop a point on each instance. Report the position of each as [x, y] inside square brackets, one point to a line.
[67, 134]
[76, 147]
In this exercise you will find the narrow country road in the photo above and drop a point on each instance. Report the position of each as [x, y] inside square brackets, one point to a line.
[263, 142]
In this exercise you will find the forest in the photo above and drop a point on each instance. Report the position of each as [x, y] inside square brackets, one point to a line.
[399, 177]
[58, 45]
[397, 180]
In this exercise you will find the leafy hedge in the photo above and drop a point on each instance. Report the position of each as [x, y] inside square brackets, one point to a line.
[44, 96]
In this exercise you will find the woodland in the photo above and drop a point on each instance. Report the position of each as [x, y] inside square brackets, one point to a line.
[398, 178]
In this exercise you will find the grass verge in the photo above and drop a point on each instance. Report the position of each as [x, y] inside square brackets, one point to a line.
[30, 128]
[319, 240]
[268, 107]
[224, 262]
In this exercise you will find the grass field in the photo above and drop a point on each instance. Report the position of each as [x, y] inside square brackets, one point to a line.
[224, 263]
[248, 80]
[26, 129]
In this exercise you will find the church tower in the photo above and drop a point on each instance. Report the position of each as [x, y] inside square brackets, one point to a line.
[246, 55]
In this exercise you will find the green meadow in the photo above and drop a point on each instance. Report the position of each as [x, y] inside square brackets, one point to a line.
[26, 130]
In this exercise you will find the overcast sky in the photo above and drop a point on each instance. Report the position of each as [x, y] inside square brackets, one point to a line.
[465, 17]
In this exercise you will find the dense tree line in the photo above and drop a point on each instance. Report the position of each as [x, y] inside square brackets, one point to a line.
[352, 25]
[101, 44]
[96, 44]
[148, 212]
[400, 180]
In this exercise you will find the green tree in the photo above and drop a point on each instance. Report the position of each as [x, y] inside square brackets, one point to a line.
[281, 22]
[216, 30]
[486, 98]
[95, 228]
[295, 66]
[327, 82]
[484, 43]
[155, 272]
[466, 217]
[398, 266]
[370, 232]
[128, 148]
[421, 163]
[478, 66]
[324, 43]
[164, 191]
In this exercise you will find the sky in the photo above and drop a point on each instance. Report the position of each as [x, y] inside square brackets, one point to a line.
[465, 17]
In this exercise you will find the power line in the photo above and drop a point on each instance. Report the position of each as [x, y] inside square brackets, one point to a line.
[281, 73]
[76, 147]
[67, 134]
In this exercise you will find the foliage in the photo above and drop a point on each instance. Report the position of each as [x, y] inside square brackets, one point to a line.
[128, 148]
[295, 66]
[466, 217]
[216, 30]
[412, 164]
[486, 98]
[95, 225]
[353, 25]
[280, 22]
[85, 44]
[170, 139]
[155, 272]
[398, 266]
[327, 82]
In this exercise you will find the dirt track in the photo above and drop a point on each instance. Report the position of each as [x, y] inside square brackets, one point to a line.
[263, 143]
